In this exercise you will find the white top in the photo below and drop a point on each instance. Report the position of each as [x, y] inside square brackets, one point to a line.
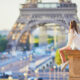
[74, 40]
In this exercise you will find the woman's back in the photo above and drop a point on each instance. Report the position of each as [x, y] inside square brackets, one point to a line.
[76, 40]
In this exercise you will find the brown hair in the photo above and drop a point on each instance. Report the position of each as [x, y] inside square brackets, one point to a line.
[73, 25]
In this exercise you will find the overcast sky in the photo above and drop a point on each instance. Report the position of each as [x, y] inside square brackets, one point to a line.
[9, 11]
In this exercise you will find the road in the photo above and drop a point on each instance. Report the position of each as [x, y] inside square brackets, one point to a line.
[15, 64]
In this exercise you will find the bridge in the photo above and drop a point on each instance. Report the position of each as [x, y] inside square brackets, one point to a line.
[45, 68]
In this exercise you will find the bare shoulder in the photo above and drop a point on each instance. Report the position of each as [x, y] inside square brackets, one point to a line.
[78, 32]
[71, 31]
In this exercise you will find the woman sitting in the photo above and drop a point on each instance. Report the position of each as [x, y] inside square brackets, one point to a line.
[73, 42]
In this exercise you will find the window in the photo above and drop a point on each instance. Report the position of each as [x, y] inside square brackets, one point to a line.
[54, 5]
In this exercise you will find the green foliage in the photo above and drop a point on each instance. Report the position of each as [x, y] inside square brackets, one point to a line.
[36, 41]
[28, 44]
[3, 43]
[58, 58]
[36, 44]
[50, 39]
[0, 36]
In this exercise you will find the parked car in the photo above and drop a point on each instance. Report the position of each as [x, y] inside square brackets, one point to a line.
[32, 78]
[3, 75]
[8, 73]
[35, 78]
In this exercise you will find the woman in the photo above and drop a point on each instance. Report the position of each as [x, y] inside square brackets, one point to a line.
[73, 31]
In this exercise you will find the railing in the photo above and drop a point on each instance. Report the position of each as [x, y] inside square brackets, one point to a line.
[44, 75]
[50, 75]
[50, 72]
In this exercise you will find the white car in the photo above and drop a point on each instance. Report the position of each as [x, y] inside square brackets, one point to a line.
[8, 73]
[32, 78]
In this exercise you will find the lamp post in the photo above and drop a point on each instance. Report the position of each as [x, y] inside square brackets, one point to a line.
[37, 73]
[26, 72]
[10, 78]
[58, 72]
[25, 75]
[21, 62]
[54, 72]
[49, 73]
[27, 67]
[30, 58]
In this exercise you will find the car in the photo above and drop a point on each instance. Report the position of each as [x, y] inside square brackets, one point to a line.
[32, 78]
[3, 75]
[35, 78]
[40, 78]
[8, 73]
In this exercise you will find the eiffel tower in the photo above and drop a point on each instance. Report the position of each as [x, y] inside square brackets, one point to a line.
[34, 13]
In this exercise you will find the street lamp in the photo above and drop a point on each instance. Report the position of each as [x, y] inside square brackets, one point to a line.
[26, 71]
[30, 58]
[27, 67]
[58, 71]
[10, 78]
[21, 60]
[25, 75]
[54, 72]
[49, 73]
[36, 71]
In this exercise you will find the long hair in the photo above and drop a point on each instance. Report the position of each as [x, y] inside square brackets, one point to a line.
[73, 25]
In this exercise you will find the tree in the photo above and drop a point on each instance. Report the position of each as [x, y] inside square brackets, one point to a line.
[3, 43]
[58, 58]
[0, 36]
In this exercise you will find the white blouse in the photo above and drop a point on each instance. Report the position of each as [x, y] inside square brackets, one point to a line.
[74, 40]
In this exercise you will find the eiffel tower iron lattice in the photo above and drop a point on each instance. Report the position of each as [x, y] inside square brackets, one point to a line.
[35, 12]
